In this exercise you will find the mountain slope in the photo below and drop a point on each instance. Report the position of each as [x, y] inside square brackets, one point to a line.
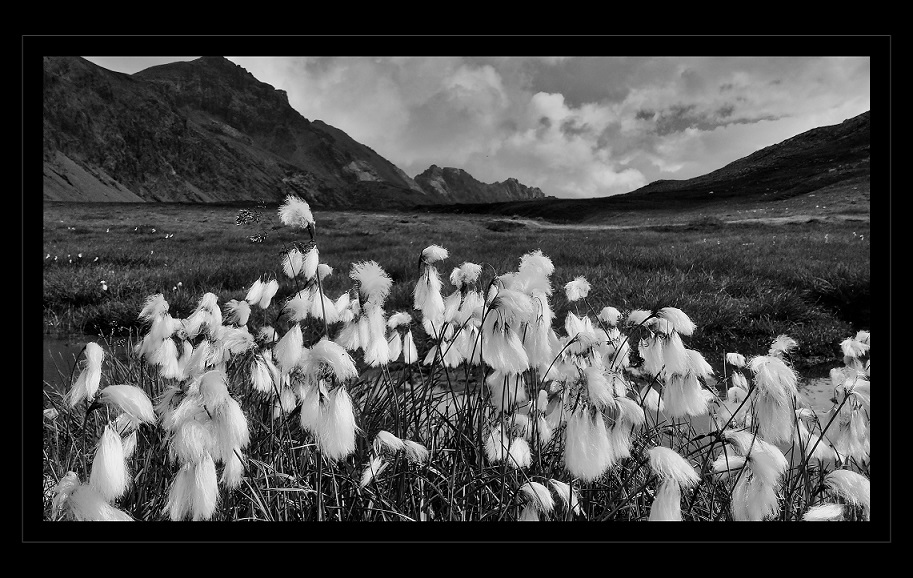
[823, 159]
[200, 131]
[458, 186]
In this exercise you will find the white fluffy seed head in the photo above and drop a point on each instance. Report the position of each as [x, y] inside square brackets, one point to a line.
[399, 319]
[385, 439]
[852, 486]
[129, 399]
[109, 475]
[610, 315]
[669, 465]
[269, 291]
[373, 282]
[824, 513]
[205, 492]
[415, 452]
[577, 289]
[782, 345]
[681, 323]
[539, 496]
[568, 496]
[255, 292]
[336, 426]
[86, 504]
[735, 359]
[372, 470]
[293, 263]
[90, 377]
[329, 355]
[667, 505]
[465, 274]
[434, 253]
[154, 306]
[288, 350]
[310, 264]
[180, 494]
[295, 212]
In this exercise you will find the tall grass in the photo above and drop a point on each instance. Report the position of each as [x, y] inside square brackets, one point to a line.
[526, 400]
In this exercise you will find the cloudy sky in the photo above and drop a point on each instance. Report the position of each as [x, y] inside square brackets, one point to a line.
[572, 126]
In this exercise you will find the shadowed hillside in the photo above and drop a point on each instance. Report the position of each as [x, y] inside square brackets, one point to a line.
[831, 158]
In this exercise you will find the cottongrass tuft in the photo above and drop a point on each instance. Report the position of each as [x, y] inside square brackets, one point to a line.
[669, 465]
[336, 426]
[568, 495]
[577, 289]
[373, 281]
[205, 491]
[90, 377]
[129, 399]
[86, 504]
[667, 505]
[681, 323]
[735, 359]
[295, 212]
[824, 513]
[783, 344]
[237, 312]
[269, 291]
[385, 439]
[293, 263]
[255, 292]
[109, 475]
[852, 486]
[538, 496]
[288, 350]
[434, 253]
[154, 306]
[372, 470]
[327, 355]
[610, 316]
[415, 452]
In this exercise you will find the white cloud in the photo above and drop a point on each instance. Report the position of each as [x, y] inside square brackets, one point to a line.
[486, 115]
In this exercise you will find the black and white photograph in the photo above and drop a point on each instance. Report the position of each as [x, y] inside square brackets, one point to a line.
[586, 290]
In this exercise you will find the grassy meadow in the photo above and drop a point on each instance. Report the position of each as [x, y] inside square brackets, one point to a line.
[742, 284]
[250, 428]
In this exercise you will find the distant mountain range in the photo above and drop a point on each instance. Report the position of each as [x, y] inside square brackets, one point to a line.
[208, 131]
[822, 159]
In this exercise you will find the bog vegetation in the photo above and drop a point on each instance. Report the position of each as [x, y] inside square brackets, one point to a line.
[449, 390]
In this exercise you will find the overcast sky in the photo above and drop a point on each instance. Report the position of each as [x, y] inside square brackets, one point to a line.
[572, 126]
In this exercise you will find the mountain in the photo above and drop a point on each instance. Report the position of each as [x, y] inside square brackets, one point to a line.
[200, 131]
[822, 160]
[804, 163]
[457, 186]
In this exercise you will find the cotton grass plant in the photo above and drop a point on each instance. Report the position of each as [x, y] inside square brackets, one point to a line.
[479, 403]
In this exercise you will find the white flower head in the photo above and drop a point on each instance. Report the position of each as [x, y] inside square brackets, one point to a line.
[434, 253]
[373, 282]
[295, 212]
[609, 315]
[577, 289]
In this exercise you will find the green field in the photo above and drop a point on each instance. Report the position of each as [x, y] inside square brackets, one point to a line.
[742, 284]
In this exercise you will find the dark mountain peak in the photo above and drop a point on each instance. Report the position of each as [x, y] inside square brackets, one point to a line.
[455, 185]
[203, 130]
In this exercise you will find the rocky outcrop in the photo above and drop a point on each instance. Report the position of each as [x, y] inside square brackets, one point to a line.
[457, 186]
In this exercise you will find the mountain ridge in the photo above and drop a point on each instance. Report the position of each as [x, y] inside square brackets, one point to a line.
[204, 130]
[825, 159]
